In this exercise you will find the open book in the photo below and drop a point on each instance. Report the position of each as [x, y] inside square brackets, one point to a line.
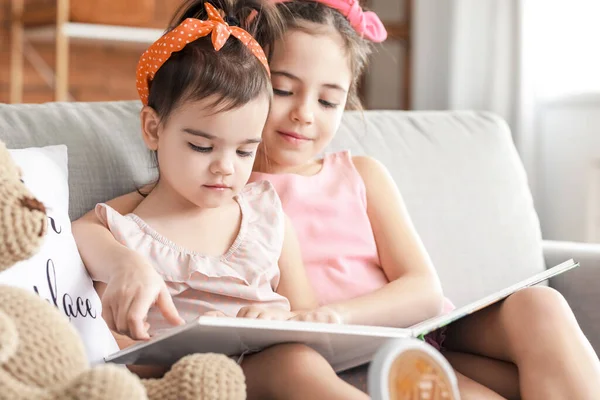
[344, 346]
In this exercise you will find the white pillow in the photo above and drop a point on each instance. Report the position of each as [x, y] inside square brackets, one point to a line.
[56, 272]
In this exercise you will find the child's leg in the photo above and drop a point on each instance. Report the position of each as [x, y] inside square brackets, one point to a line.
[479, 375]
[536, 330]
[471, 390]
[294, 371]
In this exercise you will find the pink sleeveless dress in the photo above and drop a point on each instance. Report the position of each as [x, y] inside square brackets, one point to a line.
[329, 213]
[248, 274]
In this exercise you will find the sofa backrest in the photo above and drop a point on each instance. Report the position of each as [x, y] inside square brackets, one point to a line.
[458, 172]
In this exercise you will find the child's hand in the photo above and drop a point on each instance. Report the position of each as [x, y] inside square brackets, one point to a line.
[323, 314]
[214, 314]
[130, 294]
[255, 312]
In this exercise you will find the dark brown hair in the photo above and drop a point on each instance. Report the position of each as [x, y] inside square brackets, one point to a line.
[233, 74]
[297, 12]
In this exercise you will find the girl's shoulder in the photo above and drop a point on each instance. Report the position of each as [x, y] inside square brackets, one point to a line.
[369, 168]
[360, 163]
[361, 168]
[261, 198]
[111, 218]
[260, 191]
[263, 214]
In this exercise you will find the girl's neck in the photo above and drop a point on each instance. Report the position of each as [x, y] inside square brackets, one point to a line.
[267, 166]
[202, 230]
[164, 201]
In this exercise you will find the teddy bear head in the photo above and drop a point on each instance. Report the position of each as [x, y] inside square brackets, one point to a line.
[23, 220]
[41, 354]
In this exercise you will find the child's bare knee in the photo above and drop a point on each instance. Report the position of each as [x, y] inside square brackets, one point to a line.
[540, 302]
[300, 357]
[301, 361]
[531, 313]
[291, 365]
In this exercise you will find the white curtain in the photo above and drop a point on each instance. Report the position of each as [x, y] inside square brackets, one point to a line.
[505, 56]
[484, 50]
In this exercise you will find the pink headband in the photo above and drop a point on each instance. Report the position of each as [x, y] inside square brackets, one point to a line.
[366, 23]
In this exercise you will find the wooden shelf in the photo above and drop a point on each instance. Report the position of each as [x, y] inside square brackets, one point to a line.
[398, 31]
[54, 22]
[39, 16]
[51, 21]
[97, 32]
[137, 13]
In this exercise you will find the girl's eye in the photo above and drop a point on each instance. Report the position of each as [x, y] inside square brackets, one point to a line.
[245, 153]
[327, 104]
[200, 149]
[278, 92]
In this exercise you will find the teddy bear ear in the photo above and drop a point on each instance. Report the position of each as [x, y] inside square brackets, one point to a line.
[8, 167]
[20, 173]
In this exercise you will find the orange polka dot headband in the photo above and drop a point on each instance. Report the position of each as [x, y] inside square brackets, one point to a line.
[189, 30]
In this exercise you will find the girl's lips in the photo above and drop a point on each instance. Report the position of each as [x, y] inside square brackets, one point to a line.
[293, 135]
[217, 187]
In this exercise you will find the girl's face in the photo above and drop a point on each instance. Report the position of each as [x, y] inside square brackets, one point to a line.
[205, 158]
[311, 77]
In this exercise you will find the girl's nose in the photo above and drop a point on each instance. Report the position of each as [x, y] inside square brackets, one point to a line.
[303, 114]
[222, 166]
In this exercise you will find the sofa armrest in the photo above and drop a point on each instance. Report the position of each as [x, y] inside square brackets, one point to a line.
[581, 286]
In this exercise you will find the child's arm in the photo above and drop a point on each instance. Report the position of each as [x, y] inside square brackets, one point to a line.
[294, 283]
[143, 371]
[127, 284]
[100, 251]
[414, 292]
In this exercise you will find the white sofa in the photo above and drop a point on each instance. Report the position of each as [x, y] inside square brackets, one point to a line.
[459, 173]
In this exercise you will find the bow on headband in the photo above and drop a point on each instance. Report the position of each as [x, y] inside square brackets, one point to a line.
[189, 30]
[366, 23]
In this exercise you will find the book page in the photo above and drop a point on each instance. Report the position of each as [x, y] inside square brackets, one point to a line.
[432, 324]
[344, 346]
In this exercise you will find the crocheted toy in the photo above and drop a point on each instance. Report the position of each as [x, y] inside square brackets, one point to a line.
[41, 354]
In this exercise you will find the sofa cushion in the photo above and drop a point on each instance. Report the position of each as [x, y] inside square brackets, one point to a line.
[459, 173]
[107, 156]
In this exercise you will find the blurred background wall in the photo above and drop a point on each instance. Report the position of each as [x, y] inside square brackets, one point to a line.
[533, 62]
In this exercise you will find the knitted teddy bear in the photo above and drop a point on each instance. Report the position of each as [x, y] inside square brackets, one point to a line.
[41, 354]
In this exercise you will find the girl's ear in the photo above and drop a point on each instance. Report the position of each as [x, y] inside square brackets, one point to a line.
[150, 127]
